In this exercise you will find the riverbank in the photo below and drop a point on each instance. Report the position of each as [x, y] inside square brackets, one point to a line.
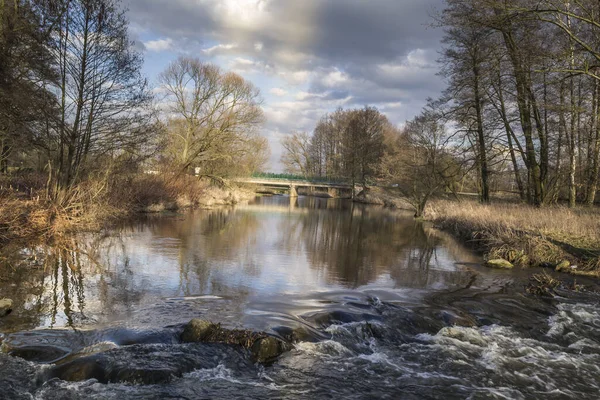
[27, 214]
[558, 237]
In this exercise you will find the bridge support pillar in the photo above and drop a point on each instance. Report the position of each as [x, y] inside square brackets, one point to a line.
[310, 190]
[333, 192]
[293, 203]
[293, 191]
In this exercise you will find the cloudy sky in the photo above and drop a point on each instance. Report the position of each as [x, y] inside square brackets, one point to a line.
[308, 57]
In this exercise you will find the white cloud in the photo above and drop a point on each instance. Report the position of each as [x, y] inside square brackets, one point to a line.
[279, 92]
[295, 78]
[159, 44]
[219, 49]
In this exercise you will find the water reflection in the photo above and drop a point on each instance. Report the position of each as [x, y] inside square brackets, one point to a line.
[275, 246]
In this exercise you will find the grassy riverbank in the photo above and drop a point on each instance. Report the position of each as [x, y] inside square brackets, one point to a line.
[524, 235]
[26, 213]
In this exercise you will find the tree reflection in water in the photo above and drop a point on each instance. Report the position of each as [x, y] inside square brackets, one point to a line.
[273, 247]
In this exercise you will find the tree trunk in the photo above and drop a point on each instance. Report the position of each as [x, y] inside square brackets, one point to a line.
[595, 156]
[572, 147]
[4, 153]
[501, 108]
[483, 164]
[523, 98]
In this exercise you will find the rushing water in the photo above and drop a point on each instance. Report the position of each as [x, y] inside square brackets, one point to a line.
[385, 307]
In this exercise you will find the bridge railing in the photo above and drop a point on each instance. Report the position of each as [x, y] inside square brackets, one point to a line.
[320, 179]
[300, 178]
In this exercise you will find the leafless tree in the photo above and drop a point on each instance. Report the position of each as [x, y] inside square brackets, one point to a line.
[212, 112]
[296, 158]
[103, 100]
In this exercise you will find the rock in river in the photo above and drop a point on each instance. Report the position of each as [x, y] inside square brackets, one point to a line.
[264, 348]
[5, 307]
[267, 349]
[197, 330]
[499, 263]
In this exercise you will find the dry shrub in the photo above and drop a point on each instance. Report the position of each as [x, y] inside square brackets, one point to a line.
[142, 191]
[23, 185]
[27, 213]
[23, 219]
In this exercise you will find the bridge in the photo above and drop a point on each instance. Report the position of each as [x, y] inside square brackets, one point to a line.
[333, 189]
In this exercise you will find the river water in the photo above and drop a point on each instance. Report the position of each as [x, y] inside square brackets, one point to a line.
[382, 307]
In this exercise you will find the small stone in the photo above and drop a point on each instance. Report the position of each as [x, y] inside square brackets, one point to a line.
[5, 307]
[563, 266]
[499, 263]
[268, 349]
[197, 330]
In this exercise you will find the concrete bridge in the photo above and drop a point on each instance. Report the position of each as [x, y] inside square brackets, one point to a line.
[333, 189]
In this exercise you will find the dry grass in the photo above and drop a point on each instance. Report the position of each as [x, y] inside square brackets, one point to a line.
[524, 235]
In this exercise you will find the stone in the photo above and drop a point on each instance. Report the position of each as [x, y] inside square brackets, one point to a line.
[563, 266]
[263, 348]
[499, 264]
[267, 350]
[5, 307]
[197, 330]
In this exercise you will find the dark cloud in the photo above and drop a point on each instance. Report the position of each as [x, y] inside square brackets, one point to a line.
[304, 33]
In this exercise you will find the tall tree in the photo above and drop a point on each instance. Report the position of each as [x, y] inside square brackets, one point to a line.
[214, 112]
[464, 59]
[102, 97]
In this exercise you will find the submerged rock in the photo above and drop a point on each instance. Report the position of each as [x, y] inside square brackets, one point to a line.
[146, 364]
[5, 307]
[40, 354]
[499, 264]
[264, 348]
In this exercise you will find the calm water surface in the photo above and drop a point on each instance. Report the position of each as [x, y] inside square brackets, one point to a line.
[385, 307]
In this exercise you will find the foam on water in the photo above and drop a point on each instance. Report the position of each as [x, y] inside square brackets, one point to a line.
[327, 348]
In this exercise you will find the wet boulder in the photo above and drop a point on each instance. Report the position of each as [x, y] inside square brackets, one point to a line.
[197, 330]
[5, 307]
[263, 348]
[268, 349]
[499, 263]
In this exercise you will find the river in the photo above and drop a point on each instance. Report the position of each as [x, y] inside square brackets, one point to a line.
[384, 307]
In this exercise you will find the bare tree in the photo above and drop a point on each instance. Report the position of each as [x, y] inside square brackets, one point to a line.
[468, 49]
[296, 158]
[428, 165]
[214, 111]
[102, 97]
